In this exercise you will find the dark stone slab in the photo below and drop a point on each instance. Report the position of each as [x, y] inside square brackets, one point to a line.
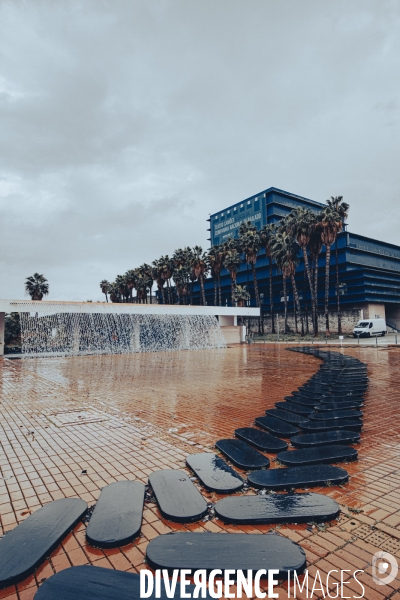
[294, 408]
[298, 477]
[309, 396]
[277, 427]
[261, 439]
[327, 438]
[317, 456]
[343, 398]
[97, 583]
[242, 455]
[331, 424]
[214, 473]
[117, 518]
[336, 414]
[26, 546]
[331, 406]
[284, 415]
[301, 400]
[225, 551]
[178, 498]
[277, 508]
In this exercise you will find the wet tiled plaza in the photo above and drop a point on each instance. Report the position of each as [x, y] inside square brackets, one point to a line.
[72, 425]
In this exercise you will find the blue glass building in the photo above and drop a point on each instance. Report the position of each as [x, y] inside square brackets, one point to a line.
[369, 270]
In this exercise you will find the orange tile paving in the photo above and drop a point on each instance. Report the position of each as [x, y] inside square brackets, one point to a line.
[72, 425]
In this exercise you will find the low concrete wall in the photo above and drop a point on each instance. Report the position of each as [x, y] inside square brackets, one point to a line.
[349, 319]
[232, 335]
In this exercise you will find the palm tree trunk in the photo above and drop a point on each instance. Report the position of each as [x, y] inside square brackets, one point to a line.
[285, 302]
[271, 297]
[339, 316]
[232, 289]
[305, 303]
[203, 296]
[163, 295]
[169, 291]
[151, 291]
[106, 297]
[256, 293]
[316, 298]
[255, 282]
[297, 303]
[327, 264]
[215, 290]
[309, 277]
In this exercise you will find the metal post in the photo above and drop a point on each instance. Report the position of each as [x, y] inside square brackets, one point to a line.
[358, 338]
[376, 340]
[277, 325]
[395, 337]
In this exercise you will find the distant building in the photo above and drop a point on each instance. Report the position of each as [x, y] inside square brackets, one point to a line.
[369, 270]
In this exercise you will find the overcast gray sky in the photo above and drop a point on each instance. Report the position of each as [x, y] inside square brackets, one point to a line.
[125, 123]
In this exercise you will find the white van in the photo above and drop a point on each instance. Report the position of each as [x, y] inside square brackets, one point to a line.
[368, 327]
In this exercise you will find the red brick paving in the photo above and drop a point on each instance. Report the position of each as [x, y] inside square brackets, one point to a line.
[122, 417]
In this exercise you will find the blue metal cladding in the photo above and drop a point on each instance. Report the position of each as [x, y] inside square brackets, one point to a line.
[226, 224]
[369, 270]
[268, 206]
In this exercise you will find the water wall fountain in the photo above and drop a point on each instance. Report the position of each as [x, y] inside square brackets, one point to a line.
[79, 328]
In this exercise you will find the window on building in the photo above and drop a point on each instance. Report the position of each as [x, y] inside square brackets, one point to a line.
[342, 289]
[241, 208]
[256, 204]
[234, 208]
[248, 202]
[228, 212]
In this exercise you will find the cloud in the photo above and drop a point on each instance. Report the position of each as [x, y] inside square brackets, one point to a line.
[124, 124]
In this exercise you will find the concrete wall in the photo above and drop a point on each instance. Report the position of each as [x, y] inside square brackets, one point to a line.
[373, 311]
[232, 335]
[349, 319]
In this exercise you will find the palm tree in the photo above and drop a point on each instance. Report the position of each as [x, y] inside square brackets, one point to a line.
[267, 234]
[314, 248]
[241, 295]
[301, 226]
[331, 224]
[166, 265]
[336, 202]
[121, 283]
[157, 275]
[145, 272]
[182, 270]
[141, 285]
[115, 294]
[200, 267]
[232, 263]
[104, 286]
[37, 286]
[249, 244]
[130, 279]
[284, 251]
[216, 255]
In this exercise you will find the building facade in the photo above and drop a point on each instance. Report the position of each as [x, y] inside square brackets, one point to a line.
[369, 270]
